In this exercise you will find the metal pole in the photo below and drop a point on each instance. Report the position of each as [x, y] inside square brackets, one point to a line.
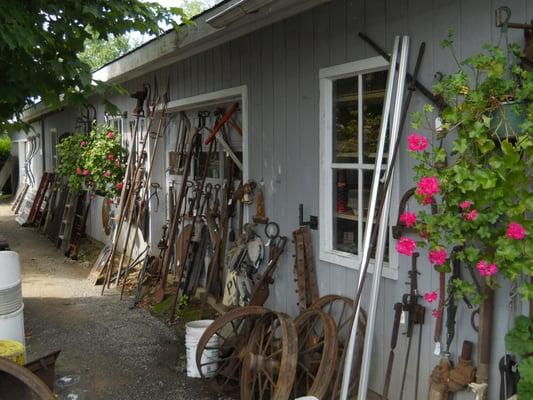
[370, 216]
[383, 227]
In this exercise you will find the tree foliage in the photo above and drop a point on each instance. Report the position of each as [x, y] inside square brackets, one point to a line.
[40, 43]
[99, 52]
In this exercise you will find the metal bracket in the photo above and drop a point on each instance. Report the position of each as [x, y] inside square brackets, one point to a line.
[313, 219]
[503, 15]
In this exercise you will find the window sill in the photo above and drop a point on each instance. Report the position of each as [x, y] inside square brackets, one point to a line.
[353, 262]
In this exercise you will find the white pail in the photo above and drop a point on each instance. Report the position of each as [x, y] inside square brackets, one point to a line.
[12, 326]
[9, 269]
[193, 332]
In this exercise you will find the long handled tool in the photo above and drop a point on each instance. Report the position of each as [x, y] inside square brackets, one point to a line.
[159, 132]
[138, 112]
[370, 233]
[174, 222]
[398, 307]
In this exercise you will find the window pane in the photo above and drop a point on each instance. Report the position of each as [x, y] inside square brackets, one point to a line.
[367, 184]
[345, 235]
[345, 120]
[373, 98]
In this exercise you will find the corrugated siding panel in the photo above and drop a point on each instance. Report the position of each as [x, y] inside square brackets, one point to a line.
[280, 65]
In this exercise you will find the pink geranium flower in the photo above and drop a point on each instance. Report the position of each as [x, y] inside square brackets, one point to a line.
[436, 313]
[83, 143]
[78, 170]
[465, 204]
[405, 246]
[110, 135]
[117, 163]
[516, 231]
[408, 219]
[437, 256]
[417, 142]
[85, 172]
[119, 185]
[428, 186]
[107, 174]
[470, 216]
[430, 297]
[486, 269]
[110, 157]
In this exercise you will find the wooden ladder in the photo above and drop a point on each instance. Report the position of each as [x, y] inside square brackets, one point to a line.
[67, 221]
[78, 228]
[45, 183]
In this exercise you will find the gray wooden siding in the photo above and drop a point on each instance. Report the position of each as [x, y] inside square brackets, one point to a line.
[280, 66]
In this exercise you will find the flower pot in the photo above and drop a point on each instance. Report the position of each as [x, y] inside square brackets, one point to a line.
[506, 119]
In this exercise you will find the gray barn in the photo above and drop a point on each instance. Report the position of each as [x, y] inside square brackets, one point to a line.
[275, 63]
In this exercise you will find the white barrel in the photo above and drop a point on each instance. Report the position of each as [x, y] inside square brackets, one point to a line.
[10, 283]
[9, 269]
[12, 326]
[193, 332]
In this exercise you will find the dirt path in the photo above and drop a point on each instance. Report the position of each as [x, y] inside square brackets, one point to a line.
[108, 350]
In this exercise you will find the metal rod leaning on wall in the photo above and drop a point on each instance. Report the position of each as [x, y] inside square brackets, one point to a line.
[373, 233]
[138, 178]
[383, 216]
[371, 211]
[122, 200]
[161, 126]
[127, 193]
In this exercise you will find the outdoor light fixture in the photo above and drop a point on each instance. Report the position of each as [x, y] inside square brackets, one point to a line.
[236, 11]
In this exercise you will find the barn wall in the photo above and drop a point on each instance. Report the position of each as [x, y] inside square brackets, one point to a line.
[280, 65]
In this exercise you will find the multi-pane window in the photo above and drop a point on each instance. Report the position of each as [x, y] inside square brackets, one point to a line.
[352, 97]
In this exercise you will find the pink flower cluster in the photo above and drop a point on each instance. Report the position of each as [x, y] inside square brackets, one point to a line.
[110, 157]
[516, 231]
[406, 246]
[469, 215]
[427, 187]
[486, 269]
[110, 135]
[436, 313]
[107, 174]
[83, 143]
[430, 297]
[416, 142]
[408, 219]
[437, 256]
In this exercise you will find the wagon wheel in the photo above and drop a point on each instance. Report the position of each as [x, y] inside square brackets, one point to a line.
[232, 330]
[269, 367]
[340, 308]
[317, 353]
[27, 379]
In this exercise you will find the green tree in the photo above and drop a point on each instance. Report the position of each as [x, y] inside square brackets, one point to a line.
[40, 43]
[195, 7]
[99, 52]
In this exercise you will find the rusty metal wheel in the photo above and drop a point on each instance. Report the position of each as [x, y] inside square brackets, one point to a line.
[26, 378]
[232, 330]
[340, 308]
[317, 353]
[269, 367]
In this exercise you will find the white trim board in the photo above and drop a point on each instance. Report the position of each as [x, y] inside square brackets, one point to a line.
[327, 252]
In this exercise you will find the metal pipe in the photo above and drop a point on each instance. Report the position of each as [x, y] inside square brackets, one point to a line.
[370, 215]
[383, 226]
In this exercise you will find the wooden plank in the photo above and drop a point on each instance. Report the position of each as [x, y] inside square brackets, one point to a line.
[337, 33]
[267, 110]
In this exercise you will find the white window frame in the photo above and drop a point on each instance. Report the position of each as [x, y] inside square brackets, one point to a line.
[327, 252]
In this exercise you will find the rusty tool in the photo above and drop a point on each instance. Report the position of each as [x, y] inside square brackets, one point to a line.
[464, 372]
[17, 381]
[261, 290]
[304, 268]
[260, 216]
[174, 224]
[416, 314]
[398, 307]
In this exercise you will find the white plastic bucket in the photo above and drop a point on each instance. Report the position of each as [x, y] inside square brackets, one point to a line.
[12, 326]
[11, 298]
[193, 332]
[9, 269]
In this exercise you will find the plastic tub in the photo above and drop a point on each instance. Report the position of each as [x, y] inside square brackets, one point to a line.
[9, 269]
[193, 332]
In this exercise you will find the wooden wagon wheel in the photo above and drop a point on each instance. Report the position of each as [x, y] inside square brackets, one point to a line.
[28, 378]
[269, 368]
[340, 308]
[232, 330]
[317, 353]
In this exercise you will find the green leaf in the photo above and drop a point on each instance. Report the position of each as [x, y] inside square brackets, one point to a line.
[460, 146]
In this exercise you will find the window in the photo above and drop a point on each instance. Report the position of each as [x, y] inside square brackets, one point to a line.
[352, 97]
